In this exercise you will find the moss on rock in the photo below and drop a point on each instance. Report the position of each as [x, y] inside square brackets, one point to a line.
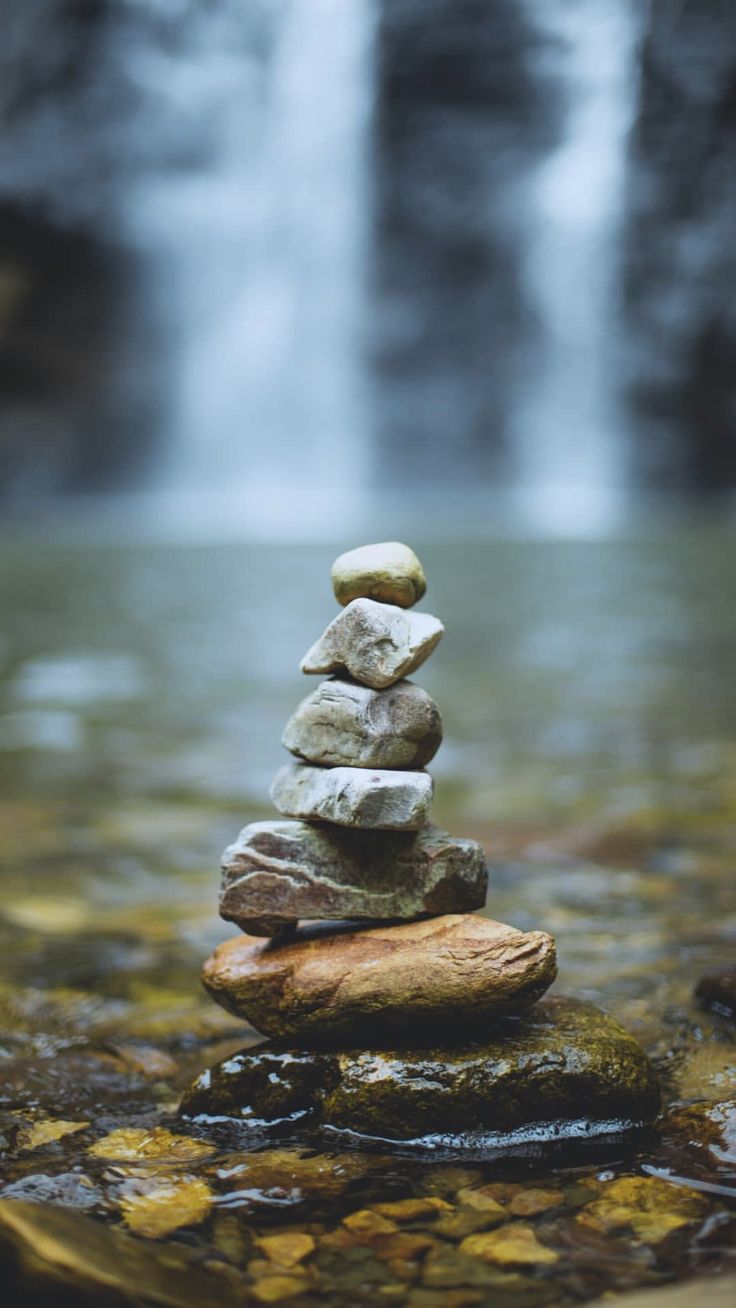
[563, 1069]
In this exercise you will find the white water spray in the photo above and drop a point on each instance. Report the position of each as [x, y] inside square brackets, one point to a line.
[260, 261]
[571, 466]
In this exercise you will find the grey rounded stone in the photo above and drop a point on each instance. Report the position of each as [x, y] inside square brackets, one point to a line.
[354, 797]
[389, 572]
[278, 872]
[343, 724]
[376, 644]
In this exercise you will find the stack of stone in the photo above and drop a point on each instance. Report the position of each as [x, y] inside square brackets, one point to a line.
[415, 1019]
[356, 846]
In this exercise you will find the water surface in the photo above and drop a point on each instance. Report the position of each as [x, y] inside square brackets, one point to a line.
[590, 742]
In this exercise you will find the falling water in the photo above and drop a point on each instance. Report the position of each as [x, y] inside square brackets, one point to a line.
[260, 264]
[570, 455]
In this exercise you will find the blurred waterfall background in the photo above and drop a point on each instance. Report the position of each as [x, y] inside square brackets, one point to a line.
[281, 267]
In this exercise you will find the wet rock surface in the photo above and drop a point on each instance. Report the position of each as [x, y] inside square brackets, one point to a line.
[107, 909]
[389, 572]
[379, 799]
[717, 990]
[457, 970]
[343, 724]
[376, 644]
[281, 871]
[562, 1069]
[699, 1141]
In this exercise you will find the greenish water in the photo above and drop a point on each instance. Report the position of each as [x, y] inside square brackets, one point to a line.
[589, 700]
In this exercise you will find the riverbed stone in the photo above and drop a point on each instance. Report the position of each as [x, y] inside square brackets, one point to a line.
[279, 871]
[343, 724]
[562, 1070]
[717, 991]
[377, 799]
[458, 969]
[388, 572]
[376, 644]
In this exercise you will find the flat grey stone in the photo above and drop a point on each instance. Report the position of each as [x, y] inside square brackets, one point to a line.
[278, 872]
[354, 797]
[377, 644]
[343, 724]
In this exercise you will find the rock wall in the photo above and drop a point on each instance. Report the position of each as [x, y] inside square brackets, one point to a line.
[680, 249]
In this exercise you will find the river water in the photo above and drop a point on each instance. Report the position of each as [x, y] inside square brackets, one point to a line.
[590, 729]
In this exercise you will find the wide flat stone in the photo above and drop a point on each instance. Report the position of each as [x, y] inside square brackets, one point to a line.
[458, 969]
[376, 644]
[378, 799]
[343, 724]
[562, 1070]
[388, 571]
[280, 871]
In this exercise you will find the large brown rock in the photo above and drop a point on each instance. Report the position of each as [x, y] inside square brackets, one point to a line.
[280, 871]
[343, 724]
[458, 969]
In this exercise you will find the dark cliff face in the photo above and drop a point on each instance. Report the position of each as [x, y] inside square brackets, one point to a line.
[100, 100]
[680, 250]
[463, 111]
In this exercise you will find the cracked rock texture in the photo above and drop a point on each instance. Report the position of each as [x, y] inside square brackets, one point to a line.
[278, 872]
[459, 969]
[378, 799]
[376, 644]
[343, 724]
[389, 572]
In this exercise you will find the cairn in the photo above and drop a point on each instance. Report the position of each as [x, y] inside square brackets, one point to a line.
[355, 848]
[395, 1011]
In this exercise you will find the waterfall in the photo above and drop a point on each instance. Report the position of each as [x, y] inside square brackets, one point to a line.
[259, 262]
[568, 431]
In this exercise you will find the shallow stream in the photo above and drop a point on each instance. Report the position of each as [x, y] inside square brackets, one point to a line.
[590, 743]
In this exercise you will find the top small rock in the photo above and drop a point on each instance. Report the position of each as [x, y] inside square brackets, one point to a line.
[388, 572]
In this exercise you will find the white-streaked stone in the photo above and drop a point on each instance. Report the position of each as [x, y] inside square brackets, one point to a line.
[279, 872]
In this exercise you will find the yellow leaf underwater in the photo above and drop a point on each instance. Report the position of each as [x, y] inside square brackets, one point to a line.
[167, 1206]
[41, 1133]
[132, 1145]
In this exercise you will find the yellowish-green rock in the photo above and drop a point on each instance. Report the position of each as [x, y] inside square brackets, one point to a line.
[389, 572]
[515, 1245]
[287, 1248]
[155, 1208]
[650, 1207]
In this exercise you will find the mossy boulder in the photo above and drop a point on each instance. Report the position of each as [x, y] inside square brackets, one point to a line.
[563, 1070]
